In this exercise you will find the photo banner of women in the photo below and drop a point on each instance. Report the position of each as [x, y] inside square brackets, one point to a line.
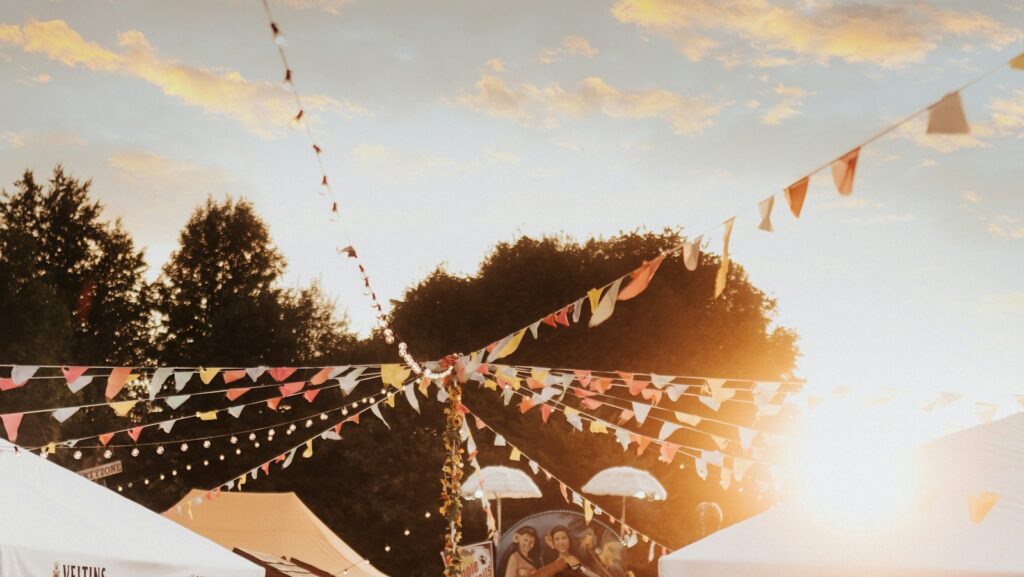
[541, 539]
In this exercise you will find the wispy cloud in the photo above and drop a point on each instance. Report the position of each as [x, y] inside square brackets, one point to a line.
[545, 106]
[998, 231]
[916, 131]
[791, 104]
[329, 6]
[571, 46]
[887, 36]
[1008, 113]
[496, 65]
[262, 107]
[41, 139]
[140, 167]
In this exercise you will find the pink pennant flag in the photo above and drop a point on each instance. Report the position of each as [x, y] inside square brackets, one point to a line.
[601, 385]
[843, 170]
[525, 405]
[11, 423]
[640, 278]
[8, 384]
[625, 416]
[582, 393]
[266, 468]
[563, 488]
[583, 377]
[534, 384]
[117, 380]
[321, 376]
[550, 320]
[273, 403]
[281, 373]
[134, 433]
[236, 392]
[232, 376]
[653, 395]
[668, 452]
[71, 374]
[641, 444]
[105, 438]
[289, 389]
[795, 195]
[591, 404]
[637, 387]
[337, 428]
[545, 412]
[310, 395]
[562, 316]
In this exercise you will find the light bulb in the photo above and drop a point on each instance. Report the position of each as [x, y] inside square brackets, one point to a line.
[160, 450]
[309, 423]
[407, 532]
[108, 454]
[206, 444]
[252, 436]
[387, 548]
[135, 452]
[234, 440]
[77, 455]
[238, 451]
[184, 447]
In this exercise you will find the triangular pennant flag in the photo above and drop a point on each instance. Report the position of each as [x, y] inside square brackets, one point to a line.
[134, 433]
[642, 443]
[534, 467]
[640, 278]
[176, 401]
[765, 207]
[676, 391]
[947, 116]
[232, 376]
[577, 310]
[710, 402]
[79, 383]
[545, 412]
[289, 389]
[410, 395]
[944, 398]
[236, 411]
[375, 409]
[985, 411]
[7, 384]
[394, 374]
[843, 170]
[598, 427]
[321, 376]
[723, 268]
[525, 404]
[64, 414]
[11, 423]
[273, 403]
[980, 504]
[255, 373]
[311, 394]
[117, 380]
[309, 449]
[1018, 62]
[720, 441]
[725, 479]
[606, 307]
[207, 415]
[166, 426]
[534, 328]
[515, 455]
[588, 512]
[207, 375]
[691, 253]
[281, 373]
[625, 416]
[747, 436]
[156, 382]
[233, 394]
[740, 468]
[666, 430]
[20, 374]
[499, 441]
[594, 297]
[122, 408]
[562, 316]
[105, 438]
[653, 395]
[640, 410]
[795, 195]
[349, 381]
[181, 378]
[288, 458]
[668, 452]
[701, 466]
[71, 374]
[510, 346]
[687, 419]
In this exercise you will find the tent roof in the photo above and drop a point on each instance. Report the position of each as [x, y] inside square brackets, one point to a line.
[935, 538]
[274, 523]
[54, 516]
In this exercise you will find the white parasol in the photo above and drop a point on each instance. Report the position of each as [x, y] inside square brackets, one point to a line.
[500, 483]
[626, 482]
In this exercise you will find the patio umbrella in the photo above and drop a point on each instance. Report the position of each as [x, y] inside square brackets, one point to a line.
[500, 483]
[626, 482]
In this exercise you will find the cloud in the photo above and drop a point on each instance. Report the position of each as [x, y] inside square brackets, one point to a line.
[496, 65]
[971, 196]
[884, 219]
[37, 79]
[929, 162]
[916, 131]
[262, 107]
[545, 106]
[329, 6]
[887, 36]
[572, 46]
[1008, 113]
[791, 104]
[1004, 233]
[400, 164]
[41, 139]
[140, 167]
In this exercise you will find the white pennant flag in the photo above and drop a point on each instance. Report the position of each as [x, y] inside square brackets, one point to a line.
[747, 436]
[176, 401]
[410, 395]
[236, 411]
[659, 381]
[166, 426]
[156, 382]
[711, 403]
[740, 468]
[181, 379]
[20, 374]
[606, 306]
[701, 467]
[675, 391]
[691, 253]
[288, 460]
[534, 467]
[255, 372]
[375, 409]
[499, 441]
[667, 429]
[640, 411]
[64, 414]
[79, 383]
[575, 420]
[623, 438]
[687, 419]
[335, 371]
[765, 206]
[715, 458]
[577, 310]
[725, 479]
[349, 381]
[442, 394]
[546, 394]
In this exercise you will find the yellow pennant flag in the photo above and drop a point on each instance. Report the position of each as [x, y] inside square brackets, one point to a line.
[206, 375]
[425, 386]
[122, 408]
[207, 416]
[309, 449]
[980, 504]
[539, 375]
[594, 296]
[588, 511]
[491, 385]
[51, 448]
[723, 269]
[598, 427]
[390, 401]
[241, 481]
[1018, 62]
[514, 455]
[511, 346]
[508, 381]
[394, 375]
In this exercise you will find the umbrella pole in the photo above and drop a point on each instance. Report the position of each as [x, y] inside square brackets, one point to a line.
[623, 509]
[499, 517]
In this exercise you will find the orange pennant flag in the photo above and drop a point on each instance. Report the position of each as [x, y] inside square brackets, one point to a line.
[310, 395]
[117, 380]
[641, 444]
[71, 374]
[273, 403]
[289, 389]
[525, 405]
[281, 373]
[233, 394]
[105, 438]
[545, 412]
[640, 278]
[232, 376]
[1018, 62]
[795, 195]
[843, 170]
[11, 423]
[134, 433]
[947, 116]
[723, 269]
[322, 376]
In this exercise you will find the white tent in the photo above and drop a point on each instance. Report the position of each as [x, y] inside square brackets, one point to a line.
[55, 522]
[276, 523]
[937, 537]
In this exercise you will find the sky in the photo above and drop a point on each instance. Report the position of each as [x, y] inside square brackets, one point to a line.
[449, 127]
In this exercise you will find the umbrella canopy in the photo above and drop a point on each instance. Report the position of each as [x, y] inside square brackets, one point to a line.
[626, 482]
[501, 483]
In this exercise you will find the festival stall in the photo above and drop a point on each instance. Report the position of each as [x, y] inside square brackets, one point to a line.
[967, 520]
[59, 523]
[277, 524]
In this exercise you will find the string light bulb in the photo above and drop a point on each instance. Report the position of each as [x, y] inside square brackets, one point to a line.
[135, 451]
[77, 455]
[108, 454]
[160, 450]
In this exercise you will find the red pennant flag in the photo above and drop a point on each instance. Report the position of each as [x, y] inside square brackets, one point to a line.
[233, 394]
[134, 433]
[354, 418]
[337, 428]
[490, 348]
[484, 370]
[7, 384]
[280, 458]
[640, 278]
[11, 423]
[310, 395]
[583, 393]
[273, 403]
[843, 170]
[461, 408]
[525, 405]
[550, 320]
[232, 376]
[105, 438]
[117, 380]
[795, 195]
[281, 373]
[322, 376]
[266, 468]
[289, 389]
[71, 374]
[562, 316]
[545, 412]
[668, 452]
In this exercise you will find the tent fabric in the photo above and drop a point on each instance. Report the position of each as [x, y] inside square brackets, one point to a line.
[935, 538]
[56, 522]
[273, 523]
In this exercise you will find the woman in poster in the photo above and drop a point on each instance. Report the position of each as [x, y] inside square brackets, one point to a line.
[524, 559]
[559, 558]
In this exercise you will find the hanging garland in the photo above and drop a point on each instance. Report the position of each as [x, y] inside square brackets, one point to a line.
[451, 479]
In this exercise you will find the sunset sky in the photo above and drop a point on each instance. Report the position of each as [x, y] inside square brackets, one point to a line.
[448, 127]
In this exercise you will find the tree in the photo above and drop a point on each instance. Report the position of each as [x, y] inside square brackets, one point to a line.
[220, 303]
[74, 290]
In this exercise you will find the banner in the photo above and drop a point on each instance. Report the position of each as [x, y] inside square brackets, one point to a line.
[539, 539]
[476, 560]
